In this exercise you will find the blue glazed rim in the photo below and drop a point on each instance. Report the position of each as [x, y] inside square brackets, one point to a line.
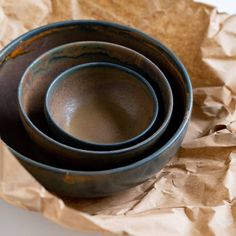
[154, 42]
[63, 76]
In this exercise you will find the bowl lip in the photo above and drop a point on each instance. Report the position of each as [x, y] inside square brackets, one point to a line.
[154, 42]
[56, 83]
[93, 152]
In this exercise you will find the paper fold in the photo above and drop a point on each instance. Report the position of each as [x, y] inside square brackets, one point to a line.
[195, 193]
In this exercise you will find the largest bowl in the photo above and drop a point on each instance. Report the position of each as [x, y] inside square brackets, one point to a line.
[14, 59]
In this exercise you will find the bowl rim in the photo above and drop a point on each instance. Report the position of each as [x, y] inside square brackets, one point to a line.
[163, 126]
[75, 69]
[154, 42]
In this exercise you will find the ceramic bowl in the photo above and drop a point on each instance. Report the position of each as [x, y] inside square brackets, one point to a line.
[100, 105]
[39, 75]
[66, 180]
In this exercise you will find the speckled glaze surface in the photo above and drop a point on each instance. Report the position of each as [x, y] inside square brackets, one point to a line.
[58, 177]
[100, 105]
[43, 70]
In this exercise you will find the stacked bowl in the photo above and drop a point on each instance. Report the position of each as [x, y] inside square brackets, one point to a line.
[92, 108]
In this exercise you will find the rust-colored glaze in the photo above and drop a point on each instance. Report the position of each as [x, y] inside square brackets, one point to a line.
[68, 179]
[19, 51]
[73, 179]
[22, 47]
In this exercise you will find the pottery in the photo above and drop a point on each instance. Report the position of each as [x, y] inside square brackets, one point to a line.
[58, 177]
[101, 105]
[38, 76]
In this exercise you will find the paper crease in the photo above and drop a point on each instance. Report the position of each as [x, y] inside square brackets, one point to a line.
[195, 194]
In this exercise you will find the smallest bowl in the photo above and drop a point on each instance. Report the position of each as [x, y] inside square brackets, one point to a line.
[100, 106]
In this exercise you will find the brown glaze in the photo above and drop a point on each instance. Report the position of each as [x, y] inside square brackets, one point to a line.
[102, 103]
[22, 47]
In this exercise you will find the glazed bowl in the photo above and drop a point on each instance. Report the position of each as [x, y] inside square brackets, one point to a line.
[39, 75]
[100, 105]
[58, 177]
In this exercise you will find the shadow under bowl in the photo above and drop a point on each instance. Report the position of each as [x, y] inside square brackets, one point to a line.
[100, 105]
[58, 177]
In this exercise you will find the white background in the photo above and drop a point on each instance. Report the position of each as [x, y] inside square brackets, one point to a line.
[18, 222]
[15, 221]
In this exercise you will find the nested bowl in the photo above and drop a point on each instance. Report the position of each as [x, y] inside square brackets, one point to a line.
[63, 179]
[38, 76]
[100, 105]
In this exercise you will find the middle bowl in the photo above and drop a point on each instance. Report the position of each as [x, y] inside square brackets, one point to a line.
[36, 79]
[100, 105]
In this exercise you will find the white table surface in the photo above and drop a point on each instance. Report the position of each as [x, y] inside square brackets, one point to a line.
[18, 222]
[228, 6]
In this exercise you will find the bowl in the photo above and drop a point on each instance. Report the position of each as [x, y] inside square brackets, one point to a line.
[38, 76]
[100, 105]
[65, 180]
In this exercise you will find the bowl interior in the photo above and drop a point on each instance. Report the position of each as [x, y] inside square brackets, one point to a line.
[101, 103]
[20, 53]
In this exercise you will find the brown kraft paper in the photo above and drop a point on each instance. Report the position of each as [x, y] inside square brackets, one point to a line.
[195, 194]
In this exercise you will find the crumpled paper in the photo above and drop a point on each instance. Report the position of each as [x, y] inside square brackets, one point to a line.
[195, 194]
